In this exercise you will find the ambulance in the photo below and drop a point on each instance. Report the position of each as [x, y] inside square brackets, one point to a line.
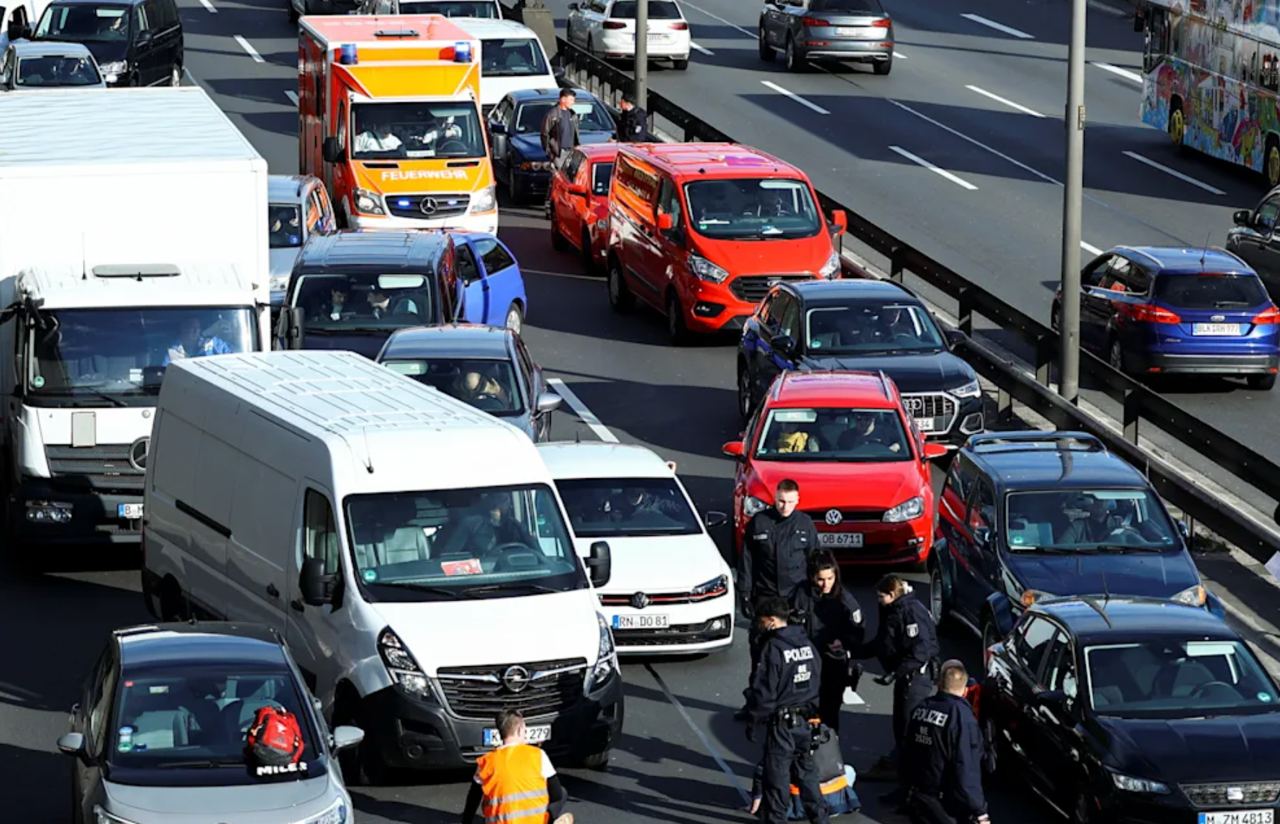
[389, 117]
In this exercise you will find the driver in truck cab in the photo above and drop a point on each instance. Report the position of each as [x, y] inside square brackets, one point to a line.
[191, 343]
[484, 531]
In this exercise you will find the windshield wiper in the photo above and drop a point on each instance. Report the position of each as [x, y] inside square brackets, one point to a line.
[447, 592]
[1128, 548]
[86, 395]
[514, 585]
[1052, 550]
[345, 330]
[201, 763]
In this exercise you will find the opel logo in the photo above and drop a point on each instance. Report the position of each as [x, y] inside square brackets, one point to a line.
[515, 679]
[428, 206]
[639, 600]
[913, 405]
[1217, 318]
[834, 517]
[138, 454]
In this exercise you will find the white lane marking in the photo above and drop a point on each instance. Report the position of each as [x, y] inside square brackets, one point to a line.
[943, 172]
[700, 49]
[293, 96]
[588, 417]
[549, 273]
[794, 96]
[711, 748]
[979, 19]
[1174, 172]
[1116, 70]
[1005, 101]
[728, 23]
[208, 6]
[1090, 248]
[244, 44]
[899, 55]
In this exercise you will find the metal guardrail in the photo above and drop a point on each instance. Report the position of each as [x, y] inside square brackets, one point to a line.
[1139, 402]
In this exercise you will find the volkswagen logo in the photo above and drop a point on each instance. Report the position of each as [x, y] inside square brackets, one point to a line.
[515, 679]
[639, 600]
[915, 406]
[834, 517]
[428, 206]
[138, 453]
[1217, 318]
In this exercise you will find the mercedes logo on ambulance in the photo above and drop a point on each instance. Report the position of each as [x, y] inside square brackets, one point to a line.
[428, 206]
[515, 679]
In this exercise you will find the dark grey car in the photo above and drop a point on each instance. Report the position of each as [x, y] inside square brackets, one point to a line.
[853, 31]
[1255, 240]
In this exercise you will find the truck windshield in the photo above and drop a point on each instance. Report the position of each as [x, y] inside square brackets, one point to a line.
[462, 543]
[752, 208]
[82, 355]
[514, 57]
[84, 23]
[333, 302]
[414, 130]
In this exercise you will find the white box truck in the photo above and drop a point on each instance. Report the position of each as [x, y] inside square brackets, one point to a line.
[132, 232]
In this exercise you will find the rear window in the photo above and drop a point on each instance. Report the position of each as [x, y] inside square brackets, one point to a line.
[626, 10]
[1200, 291]
[867, 6]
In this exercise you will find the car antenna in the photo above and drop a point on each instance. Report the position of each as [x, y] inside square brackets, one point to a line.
[577, 435]
[1204, 250]
[368, 454]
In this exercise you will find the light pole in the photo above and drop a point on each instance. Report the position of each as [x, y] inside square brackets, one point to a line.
[642, 54]
[1072, 195]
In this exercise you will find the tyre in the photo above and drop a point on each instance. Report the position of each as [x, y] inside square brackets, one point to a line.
[620, 299]
[766, 51]
[882, 67]
[362, 764]
[1262, 382]
[1115, 356]
[515, 318]
[745, 403]
[939, 607]
[793, 57]
[680, 65]
[514, 190]
[558, 241]
[677, 332]
[1177, 123]
[597, 761]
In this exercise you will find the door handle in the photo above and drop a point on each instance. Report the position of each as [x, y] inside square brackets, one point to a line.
[296, 605]
[272, 591]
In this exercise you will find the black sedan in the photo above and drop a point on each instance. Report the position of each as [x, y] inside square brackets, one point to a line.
[1136, 711]
[869, 325]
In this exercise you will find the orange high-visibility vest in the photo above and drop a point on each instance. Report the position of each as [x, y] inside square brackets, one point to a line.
[514, 790]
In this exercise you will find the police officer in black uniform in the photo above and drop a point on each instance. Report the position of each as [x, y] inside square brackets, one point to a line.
[942, 756]
[783, 697]
[633, 123]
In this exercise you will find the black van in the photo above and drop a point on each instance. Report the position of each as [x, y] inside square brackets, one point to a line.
[136, 42]
[351, 290]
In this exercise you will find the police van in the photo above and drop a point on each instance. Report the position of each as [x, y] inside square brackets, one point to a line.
[412, 550]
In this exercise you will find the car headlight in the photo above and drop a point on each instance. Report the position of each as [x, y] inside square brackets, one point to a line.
[485, 200]
[606, 656]
[101, 816]
[403, 667]
[335, 814]
[706, 270]
[711, 589]
[1195, 596]
[831, 267]
[972, 389]
[1030, 596]
[751, 505]
[1130, 784]
[905, 511]
[114, 70]
[368, 203]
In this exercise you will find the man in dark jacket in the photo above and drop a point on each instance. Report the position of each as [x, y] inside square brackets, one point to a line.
[942, 758]
[633, 124]
[560, 130]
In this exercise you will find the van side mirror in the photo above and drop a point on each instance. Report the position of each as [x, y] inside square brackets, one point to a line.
[331, 150]
[497, 127]
[73, 744]
[840, 221]
[17, 31]
[982, 536]
[785, 345]
[1241, 217]
[1139, 21]
[291, 318]
[599, 564]
[665, 222]
[314, 585]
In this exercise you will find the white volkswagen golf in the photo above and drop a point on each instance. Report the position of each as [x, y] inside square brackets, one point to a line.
[670, 590]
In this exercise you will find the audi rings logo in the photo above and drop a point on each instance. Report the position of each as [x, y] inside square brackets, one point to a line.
[138, 453]
[515, 679]
[915, 406]
[639, 600]
[834, 517]
[428, 206]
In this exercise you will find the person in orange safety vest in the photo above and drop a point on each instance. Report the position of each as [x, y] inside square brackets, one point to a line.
[515, 783]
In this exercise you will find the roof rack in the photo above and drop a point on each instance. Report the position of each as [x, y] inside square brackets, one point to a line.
[1031, 440]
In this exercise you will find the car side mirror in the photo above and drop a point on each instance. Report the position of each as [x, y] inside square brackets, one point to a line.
[733, 449]
[665, 222]
[73, 744]
[982, 535]
[17, 31]
[331, 150]
[345, 737]
[558, 74]
[954, 337]
[497, 127]
[315, 586]
[1184, 530]
[933, 451]
[144, 39]
[785, 344]
[714, 519]
[549, 402]
[600, 564]
[840, 221]
[1241, 217]
[291, 319]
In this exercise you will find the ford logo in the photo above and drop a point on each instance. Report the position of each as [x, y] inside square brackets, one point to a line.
[833, 517]
[1217, 318]
[515, 679]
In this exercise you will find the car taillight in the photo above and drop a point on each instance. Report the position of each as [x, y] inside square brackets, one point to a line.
[1271, 315]
[681, 26]
[1147, 313]
[883, 23]
[813, 21]
[614, 24]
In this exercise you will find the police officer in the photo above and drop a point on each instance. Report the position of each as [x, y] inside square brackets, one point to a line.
[942, 756]
[633, 124]
[832, 619]
[783, 696]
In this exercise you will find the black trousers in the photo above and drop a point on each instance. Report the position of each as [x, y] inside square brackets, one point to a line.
[907, 695]
[835, 677]
[928, 809]
[786, 753]
[755, 645]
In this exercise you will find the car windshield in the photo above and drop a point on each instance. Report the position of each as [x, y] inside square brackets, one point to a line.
[84, 23]
[833, 434]
[285, 222]
[627, 507]
[592, 117]
[1178, 679]
[658, 10]
[85, 356]
[425, 129]
[451, 8]
[860, 6]
[57, 70]
[514, 57]
[336, 303]
[1200, 291]
[871, 327]
[1088, 519]
[752, 208]
[185, 724]
[488, 385]
[445, 545]
[601, 177]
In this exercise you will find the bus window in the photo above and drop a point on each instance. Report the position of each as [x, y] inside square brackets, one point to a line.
[1156, 42]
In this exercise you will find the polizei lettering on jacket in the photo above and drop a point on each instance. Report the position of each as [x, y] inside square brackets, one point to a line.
[797, 654]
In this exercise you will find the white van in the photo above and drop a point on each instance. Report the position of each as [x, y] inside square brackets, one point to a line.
[511, 59]
[412, 549]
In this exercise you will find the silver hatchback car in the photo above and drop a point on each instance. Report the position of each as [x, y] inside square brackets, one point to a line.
[160, 733]
[298, 207]
[850, 31]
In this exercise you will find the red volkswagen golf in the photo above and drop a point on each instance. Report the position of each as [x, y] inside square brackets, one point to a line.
[861, 464]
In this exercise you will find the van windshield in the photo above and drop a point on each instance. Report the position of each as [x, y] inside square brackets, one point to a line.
[429, 129]
[84, 23]
[752, 209]
[82, 357]
[462, 543]
[451, 8]
[335, 303]
[514, 57]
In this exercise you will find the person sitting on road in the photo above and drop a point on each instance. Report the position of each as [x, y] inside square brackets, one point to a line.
[192, 343]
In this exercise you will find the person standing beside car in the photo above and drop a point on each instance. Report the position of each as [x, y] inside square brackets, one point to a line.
[633, 123]
[942, 758]
[833, 619]
[560, 130]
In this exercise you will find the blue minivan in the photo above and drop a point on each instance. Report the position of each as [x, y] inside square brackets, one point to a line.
[1161, 310]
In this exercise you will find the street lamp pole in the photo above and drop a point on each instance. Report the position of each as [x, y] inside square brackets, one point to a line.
[642, 55]
[1069, 319]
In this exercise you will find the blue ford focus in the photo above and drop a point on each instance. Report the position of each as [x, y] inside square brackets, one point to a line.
[1163, 311]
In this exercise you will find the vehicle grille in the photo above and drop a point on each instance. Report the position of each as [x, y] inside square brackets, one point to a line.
[753, 288]
[942, 408]
[103, 468]
[1228, 793]
[479, 692]
[659, 599]
[819, 516]
[442, 205]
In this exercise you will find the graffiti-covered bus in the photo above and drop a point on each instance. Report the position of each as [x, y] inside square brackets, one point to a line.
[1210, 76]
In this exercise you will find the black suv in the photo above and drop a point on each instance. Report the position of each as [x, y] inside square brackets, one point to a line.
[861, 324]
[1032, 515]
[136, 42]
[1134, 710]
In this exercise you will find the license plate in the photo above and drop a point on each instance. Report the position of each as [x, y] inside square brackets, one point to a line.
[852, 539]
[641, 621]
[1239, 817]
[537, 734]
[130, 512]
[1215, 328]
[925, 424]
[846, 31]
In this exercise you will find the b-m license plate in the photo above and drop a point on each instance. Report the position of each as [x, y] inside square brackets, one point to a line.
[537, 734]
[1239, 817]
[130, 512]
